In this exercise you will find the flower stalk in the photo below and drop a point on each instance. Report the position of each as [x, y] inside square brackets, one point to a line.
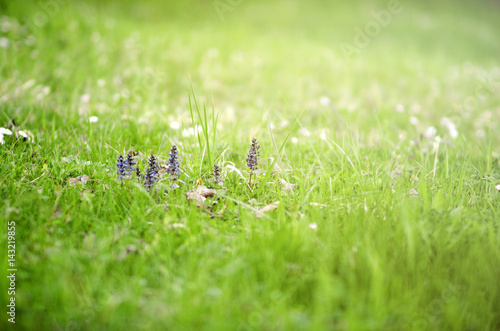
[120, 164]
[152, 175]
[217, 175]
[253, 158]
[173, 168]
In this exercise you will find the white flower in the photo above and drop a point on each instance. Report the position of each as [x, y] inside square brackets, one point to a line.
[497, 187]
[284, 123]
[2, 132]
[30, 41]
[24, 135]
[430, 132]
[175, 125]
[6, 25]
[305, 132]
[29, 84]
[450, 126]
[85, 98]
[435, 143]
[4, 42]
[323, 136]
[414, 120]
[93, 119]
[294, 140]
[313, 226]
[192, 131]
[5, 131]
[101, 82]
[480, 133]
[400, 108]
[177, 226]
[325, 101]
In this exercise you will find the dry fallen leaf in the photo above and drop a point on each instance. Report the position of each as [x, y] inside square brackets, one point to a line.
[193, 196]
[83, 179]
[200, 194]
[286, 186]
[68, 159]
[206, 192]
[267, 208]
[396, 173]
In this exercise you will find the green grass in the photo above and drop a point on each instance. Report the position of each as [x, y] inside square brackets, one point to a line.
[107, 256]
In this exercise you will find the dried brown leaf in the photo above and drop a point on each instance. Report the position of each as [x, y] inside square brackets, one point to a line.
[83, 179]
[199, 195]
[286, 186]
[267, 208]
[206, 192]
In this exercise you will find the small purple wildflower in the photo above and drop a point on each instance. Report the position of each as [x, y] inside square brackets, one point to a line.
[253, 158]
[173, 165]
[129, 165]
[138, 173]
[217, 174]
[152, 175]
[120, 164]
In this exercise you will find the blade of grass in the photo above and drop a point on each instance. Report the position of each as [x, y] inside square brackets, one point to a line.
[278, 157]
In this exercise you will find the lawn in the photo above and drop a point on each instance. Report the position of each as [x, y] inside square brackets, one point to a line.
[376, 200]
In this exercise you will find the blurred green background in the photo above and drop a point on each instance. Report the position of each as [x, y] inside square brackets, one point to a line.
[131, 64]
[251, 56]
